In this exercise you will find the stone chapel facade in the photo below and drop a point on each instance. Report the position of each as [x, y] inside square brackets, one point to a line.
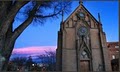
[82, 43]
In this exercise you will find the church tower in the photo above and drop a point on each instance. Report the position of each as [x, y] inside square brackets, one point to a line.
[82, 43]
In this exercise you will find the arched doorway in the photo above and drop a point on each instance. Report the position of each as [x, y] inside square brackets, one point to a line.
[84, 61]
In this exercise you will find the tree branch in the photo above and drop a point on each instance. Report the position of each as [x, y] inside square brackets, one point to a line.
[4, 10]
[9, 18]
[46, 16]
[26, 23]
[54, 12]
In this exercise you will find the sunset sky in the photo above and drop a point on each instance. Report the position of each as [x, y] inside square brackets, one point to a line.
[36, 38]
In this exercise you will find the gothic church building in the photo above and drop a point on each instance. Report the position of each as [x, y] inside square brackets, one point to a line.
[82, 43]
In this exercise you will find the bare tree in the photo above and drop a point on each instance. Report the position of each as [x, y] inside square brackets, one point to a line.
[49, 60]
[29, 63]
[17, 63]
[33, 11]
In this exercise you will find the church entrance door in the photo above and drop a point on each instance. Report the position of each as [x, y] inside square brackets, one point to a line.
[84, 65]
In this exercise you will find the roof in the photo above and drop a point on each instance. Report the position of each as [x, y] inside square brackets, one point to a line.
[90, 14]
[85, 10]
[116, 43]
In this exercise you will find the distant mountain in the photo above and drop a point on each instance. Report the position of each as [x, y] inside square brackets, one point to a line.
[31, 51]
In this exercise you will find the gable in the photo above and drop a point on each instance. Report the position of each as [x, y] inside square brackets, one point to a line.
[89, 18]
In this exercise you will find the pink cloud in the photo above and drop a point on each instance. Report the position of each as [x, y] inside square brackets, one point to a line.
[34, 50]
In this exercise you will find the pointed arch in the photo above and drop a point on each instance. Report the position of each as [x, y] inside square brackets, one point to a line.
[84, 55]
[84, 47]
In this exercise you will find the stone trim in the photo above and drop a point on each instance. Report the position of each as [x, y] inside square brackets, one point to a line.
[69, 49]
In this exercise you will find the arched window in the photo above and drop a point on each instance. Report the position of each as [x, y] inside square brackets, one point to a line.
[84, 55]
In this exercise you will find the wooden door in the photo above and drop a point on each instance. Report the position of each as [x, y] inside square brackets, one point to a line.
[84, 66]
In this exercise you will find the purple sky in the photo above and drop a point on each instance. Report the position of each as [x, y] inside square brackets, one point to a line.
[43, 37]
[32, 51]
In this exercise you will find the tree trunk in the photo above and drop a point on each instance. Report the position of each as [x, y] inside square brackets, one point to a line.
[11, 38]
[2, 40]
[7, 39]
[7, 55]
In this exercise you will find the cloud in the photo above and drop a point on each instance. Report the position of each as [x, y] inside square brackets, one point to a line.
[32, 51]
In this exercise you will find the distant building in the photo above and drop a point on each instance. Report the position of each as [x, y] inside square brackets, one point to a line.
[113, 48]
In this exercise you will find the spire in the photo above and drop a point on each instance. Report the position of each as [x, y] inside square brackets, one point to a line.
[62, 12]
[62, 15]
[61, 25]
[99, 18]
[100, 24]
[80, 2]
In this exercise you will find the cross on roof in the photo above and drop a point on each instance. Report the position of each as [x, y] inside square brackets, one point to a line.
[80, 2]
